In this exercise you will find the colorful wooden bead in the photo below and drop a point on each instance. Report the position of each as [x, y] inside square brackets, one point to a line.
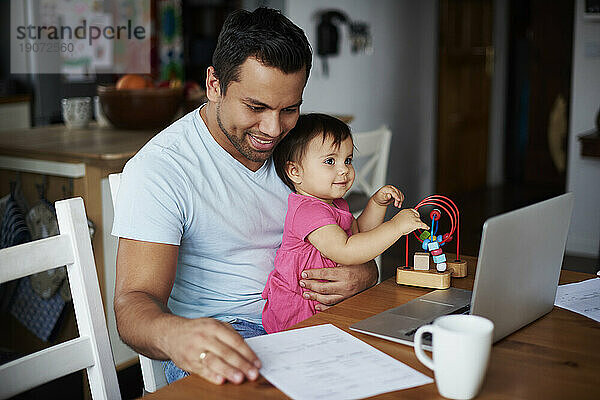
[433, 246]
[441, 267]
[439, 259]
[424, 235]
[436, 252]
[425, 244]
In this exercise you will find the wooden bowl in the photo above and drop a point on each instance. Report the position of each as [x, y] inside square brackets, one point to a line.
[149, 108]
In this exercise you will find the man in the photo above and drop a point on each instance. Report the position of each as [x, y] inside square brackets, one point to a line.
[200, 211]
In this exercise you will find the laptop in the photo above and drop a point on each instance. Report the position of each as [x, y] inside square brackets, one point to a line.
[518, 268]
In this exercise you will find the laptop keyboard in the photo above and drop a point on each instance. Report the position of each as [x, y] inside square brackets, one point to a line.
[427, 335]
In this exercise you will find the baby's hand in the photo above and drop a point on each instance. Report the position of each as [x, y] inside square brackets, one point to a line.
[408, 220]
[388, 194]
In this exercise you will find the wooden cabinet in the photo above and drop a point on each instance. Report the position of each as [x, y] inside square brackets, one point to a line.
[74, 163]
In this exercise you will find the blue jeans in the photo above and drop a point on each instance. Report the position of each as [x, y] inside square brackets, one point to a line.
[244, 328]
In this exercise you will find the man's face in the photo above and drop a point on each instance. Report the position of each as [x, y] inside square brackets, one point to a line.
[257, 111]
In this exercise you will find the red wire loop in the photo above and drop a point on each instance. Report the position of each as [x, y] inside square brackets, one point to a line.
[450, 208]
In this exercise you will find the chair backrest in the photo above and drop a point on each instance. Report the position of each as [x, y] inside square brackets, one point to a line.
[371, 159]
[91, 350]
[153, 372]
[370, 164]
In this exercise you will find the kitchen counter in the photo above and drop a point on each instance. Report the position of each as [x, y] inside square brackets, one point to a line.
[106, 147]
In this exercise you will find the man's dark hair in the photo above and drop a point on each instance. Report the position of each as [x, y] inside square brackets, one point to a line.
[293, 146]
[264, 34]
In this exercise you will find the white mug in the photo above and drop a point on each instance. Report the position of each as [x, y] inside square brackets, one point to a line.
[77, 111]
[461, 350]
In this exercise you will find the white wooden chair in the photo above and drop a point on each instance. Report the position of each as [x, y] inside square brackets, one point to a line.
[370, 163]
[153, 373]
[91, 350]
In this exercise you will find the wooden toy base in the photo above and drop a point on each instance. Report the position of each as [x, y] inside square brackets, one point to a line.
[458, 268]
[429, 279]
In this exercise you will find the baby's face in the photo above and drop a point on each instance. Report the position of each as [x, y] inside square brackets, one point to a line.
[326, 171]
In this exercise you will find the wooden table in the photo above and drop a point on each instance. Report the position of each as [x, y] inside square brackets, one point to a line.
[556, 357]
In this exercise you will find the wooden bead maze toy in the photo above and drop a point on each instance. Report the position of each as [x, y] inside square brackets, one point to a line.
[422, 274]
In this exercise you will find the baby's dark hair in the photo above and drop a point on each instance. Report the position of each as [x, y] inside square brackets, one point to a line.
[293, 146]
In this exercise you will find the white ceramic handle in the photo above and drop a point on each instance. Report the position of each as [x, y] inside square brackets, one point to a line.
[428, 362]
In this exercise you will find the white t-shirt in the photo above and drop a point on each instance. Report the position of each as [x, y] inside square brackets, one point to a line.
[183, 188]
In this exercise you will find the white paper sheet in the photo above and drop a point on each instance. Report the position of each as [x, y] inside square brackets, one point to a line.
[324, 362]
[581, 297]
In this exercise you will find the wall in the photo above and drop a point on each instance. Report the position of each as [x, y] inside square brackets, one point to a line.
[497, 124]
[583, 174]
[395, 85]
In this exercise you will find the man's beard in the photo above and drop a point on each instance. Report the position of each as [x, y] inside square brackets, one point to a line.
[241, 144]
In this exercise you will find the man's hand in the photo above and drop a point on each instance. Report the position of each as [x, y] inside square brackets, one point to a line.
[204, 346]
[339, 283]
[213, 350]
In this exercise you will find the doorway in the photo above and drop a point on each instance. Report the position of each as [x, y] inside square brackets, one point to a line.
[466, 59]
[538, 95]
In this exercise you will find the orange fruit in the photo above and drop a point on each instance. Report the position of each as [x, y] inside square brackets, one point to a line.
[132, 81]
